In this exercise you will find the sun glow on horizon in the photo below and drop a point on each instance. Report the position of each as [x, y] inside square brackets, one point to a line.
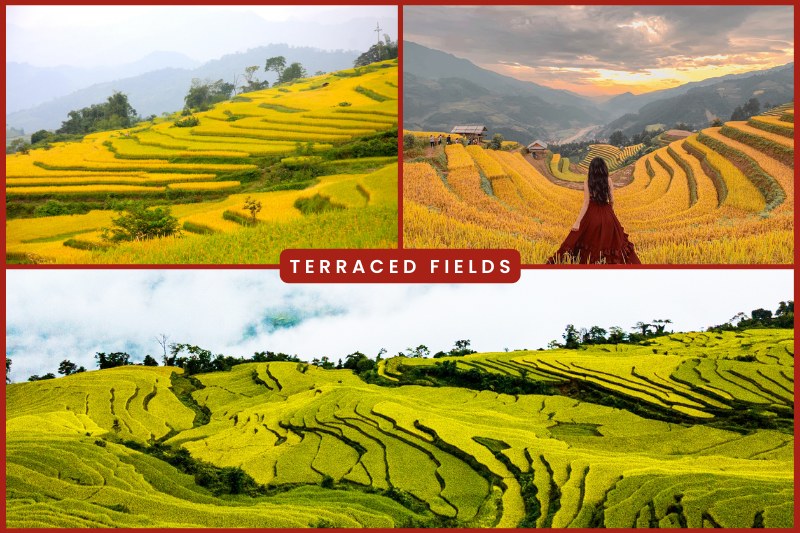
[607, 82]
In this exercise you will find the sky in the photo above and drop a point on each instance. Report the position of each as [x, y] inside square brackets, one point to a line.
[54, 315]
[606, 50]
[89, 36]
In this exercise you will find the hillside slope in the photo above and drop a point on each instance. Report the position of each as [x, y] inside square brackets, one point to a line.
[721, 196]
[698, 106]
[330, 449]
[267, 145]
[441, 90]
[172, 84]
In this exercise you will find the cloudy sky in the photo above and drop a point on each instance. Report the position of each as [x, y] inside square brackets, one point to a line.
[109, 35]
[602, 50]
[71, 314]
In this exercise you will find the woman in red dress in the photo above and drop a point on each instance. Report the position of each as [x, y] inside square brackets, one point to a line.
[597, 236]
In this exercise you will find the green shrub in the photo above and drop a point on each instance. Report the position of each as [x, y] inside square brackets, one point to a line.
[80, 244]
[316, 204]
[200, 229]
[369, 93]
[138, 223]
[187, 122]
[233, 216]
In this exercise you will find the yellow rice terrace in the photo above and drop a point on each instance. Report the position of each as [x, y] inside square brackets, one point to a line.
[310, 163]
[724, 195]
[681, 430]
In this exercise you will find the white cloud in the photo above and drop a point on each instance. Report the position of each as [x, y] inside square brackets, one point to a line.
[71, 314]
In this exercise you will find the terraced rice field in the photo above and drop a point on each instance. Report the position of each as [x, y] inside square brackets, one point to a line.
[612, 155]
[208, 165]
[343, 452]
[722, 196]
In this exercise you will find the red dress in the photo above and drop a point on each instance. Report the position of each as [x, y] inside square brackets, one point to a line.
[600, 238]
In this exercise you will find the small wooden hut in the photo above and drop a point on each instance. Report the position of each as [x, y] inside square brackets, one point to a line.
[537, 149]
[470, 131]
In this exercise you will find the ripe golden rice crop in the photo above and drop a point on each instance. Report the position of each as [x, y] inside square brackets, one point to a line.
[80, 189]
[491, 168]
[457, 157]
[158, 157]
[687, 203]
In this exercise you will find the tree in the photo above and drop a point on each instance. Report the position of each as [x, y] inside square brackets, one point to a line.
[138, 223]
[358, 362]
[49, 375]
[292, 72]
[149, 360]
[277, 64]
[420, 351]
[595, 335]
[8, 369]
[254, 206]
[497, 142]
[253, 83]
[644, 328]
[617, 139]
[761, 315]
[461, 347]
[660, 325]
[205, 93]
[571, 337]
[112, 360]
[67, 367]
[18, 146]
[381, 51]
[751, 108]
[785, 308]
[716, 123]
[115, 113]
[163, 340]
[39, 136]
[196, 359]
[324, 363]
[616, 335]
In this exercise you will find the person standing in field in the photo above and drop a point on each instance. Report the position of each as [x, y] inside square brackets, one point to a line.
[449, 140]
[440, 139]
[597, 236]
[433, 141]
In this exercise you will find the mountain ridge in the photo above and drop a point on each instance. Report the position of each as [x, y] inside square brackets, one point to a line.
[435, 100]
[175, 83]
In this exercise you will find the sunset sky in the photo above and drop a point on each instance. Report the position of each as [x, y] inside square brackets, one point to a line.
[607, 50]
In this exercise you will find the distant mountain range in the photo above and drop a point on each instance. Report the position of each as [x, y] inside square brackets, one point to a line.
[28, 85]
[697, 104]
[441, 90]
[155, 91]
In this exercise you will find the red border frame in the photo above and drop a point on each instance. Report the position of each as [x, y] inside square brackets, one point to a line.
[399, 4]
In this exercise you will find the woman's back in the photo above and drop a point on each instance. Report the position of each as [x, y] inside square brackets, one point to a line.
[597, 236]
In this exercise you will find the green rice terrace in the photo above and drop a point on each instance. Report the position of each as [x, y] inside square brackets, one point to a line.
[681, 430]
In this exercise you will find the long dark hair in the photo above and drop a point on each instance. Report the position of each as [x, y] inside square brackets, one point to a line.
[598, 181]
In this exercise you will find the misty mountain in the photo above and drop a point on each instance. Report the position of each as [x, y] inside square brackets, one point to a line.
[629, 103]
[701, 103]
[28, 85]
[163, 90]
[441, 90]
